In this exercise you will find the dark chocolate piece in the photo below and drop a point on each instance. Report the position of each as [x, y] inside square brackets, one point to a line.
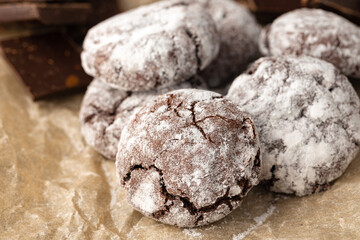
[102, 10]
[267, 10]
[57, 12]
[54, 14]
[47, 64]
[349, 9]
[273, 6]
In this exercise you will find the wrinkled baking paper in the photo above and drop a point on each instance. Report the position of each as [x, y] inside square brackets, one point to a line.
[54, 186]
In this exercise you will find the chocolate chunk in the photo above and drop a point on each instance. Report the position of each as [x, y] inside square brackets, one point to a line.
[47, 64]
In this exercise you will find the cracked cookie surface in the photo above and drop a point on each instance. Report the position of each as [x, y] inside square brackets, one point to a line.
[316, 33]
[153, 46]
[105, 111]
[188, 158]
[239, 35]
[308, 118]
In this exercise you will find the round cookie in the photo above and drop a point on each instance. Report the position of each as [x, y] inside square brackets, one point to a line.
[188, 158]
[239, 35]
[316, 33]
[308, 118]
[150, 47]
[105, 110]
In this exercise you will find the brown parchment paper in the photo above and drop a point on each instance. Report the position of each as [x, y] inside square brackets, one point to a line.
[53, 186]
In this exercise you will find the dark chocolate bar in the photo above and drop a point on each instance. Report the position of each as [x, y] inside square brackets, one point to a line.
[347, 8]
[268, 10]
[47, 64]
[57, 12]
[54, 14]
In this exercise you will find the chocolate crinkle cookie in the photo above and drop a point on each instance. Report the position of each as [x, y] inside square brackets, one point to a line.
[188, 158]
[105, 111]
[239, 36]
[315, 33]
[308, 118]
[153, 46]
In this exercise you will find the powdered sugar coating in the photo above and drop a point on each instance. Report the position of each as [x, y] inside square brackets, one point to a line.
[105, 110]
[196, 151]
[316, 33]
[97, 114]
[239, 36]
[153, 46]
[308, 118]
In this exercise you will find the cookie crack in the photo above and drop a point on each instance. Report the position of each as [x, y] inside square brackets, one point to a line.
[113, 112]
[245, 185]
[337, 45]
[232, 121]
[169, 102]
[287, 69]
[195, 41]
[109, 114]
[257, 163]
[176, 109]
[98, 112]
[317, 188]
[157, 82]
[195, 123]
[302, 113]
[225, 199]
[132, 168]
[89, 118]
[140, 166]
[273, 178]
[319, 78]
[266, 39]
[217, 97]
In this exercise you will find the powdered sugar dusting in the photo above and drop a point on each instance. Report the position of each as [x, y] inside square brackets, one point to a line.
[193, 233]
[154, 46]
[316, 33]
[203, 147]
[308, 117]
[258, 220]
[105, 110]
[239, 33]
[142, 197]
[97, 114]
